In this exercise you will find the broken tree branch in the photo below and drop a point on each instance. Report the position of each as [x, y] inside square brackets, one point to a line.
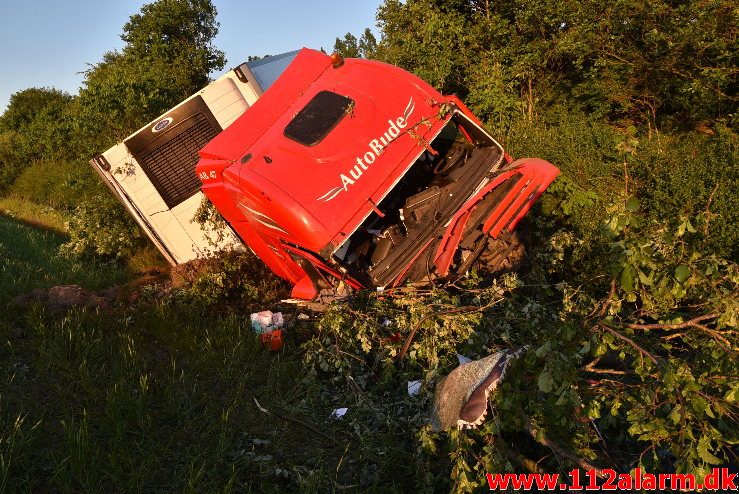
[694, 323]
[541, 438]
[681, 325]
[287, 418]
[629, 341]
[470, 309]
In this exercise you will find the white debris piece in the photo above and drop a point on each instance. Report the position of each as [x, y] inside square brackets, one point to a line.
[277, 320]
[339, 412]
[265, 321]
[414, 387]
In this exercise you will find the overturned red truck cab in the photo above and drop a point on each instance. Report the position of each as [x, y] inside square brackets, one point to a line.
[351, 174]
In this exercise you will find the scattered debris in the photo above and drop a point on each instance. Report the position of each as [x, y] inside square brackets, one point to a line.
[267, 325]
[414, 387]
[339, 412]
[266, 322]
[303, 317]
[461, 398]
[272, 340]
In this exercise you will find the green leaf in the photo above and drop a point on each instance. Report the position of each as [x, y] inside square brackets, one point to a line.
[632, 204]
[705, 455]
[627, 279]
[699, 404]
[682, 273]
[646, 280]
[731, 395]
[546, 381]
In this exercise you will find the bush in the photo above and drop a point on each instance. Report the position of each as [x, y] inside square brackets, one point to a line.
[103, 227]
[9, 168]
[585, 152]
[692, 175]
[60, 184]
[234, 279]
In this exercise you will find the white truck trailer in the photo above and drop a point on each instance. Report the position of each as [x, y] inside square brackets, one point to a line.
[152, 172]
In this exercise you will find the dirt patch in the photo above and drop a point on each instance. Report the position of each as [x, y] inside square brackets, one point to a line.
[67, 296]
[186, 273]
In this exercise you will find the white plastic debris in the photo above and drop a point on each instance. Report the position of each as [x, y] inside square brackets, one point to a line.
[277, 320]
[414, 387]
[265, 321]
[462, 359]
[339, 412]
[303, 317]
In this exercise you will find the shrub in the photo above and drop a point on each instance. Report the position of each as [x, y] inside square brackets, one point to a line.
[103, 227]
[693, 175]
[60, 184]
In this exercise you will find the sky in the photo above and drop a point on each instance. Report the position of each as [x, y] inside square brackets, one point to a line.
[49, 43]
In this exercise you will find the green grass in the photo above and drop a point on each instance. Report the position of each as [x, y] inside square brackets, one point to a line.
[160, 400]
[29, 212]
[154, 398]
[29, 259]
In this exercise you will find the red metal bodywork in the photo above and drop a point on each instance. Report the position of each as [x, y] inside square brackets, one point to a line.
[294, 204]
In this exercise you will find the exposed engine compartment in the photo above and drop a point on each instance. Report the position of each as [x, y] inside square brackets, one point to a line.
[442, 175]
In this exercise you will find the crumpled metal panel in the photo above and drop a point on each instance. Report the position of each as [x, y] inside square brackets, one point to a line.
[461, 398]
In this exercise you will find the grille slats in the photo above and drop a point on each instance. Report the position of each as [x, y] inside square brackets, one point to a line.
[171, 167]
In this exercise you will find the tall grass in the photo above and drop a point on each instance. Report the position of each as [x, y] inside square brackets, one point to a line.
[157, 400]
[29, 258]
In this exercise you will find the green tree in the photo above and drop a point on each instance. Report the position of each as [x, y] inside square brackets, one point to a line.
[169, 54]
[36, 125]
[351, 47]
[657, 62]
[347, 47]
[26, 105]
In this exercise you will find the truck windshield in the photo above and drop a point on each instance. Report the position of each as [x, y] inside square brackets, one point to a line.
[318, 118]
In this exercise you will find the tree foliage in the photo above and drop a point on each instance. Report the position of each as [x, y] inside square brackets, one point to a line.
[351, 47]
[168, 56]
[662, 63]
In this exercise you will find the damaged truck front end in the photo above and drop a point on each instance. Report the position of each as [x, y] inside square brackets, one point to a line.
[355, 174]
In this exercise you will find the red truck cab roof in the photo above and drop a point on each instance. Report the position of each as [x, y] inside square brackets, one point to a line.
[313, 156]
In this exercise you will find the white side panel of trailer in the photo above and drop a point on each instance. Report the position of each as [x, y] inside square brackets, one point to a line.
[171, 227]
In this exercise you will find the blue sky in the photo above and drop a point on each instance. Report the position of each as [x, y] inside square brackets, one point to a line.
[50, 42]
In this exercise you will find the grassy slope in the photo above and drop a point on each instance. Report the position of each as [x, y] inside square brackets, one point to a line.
[29, 259]
[36, 214]
[156, 399]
